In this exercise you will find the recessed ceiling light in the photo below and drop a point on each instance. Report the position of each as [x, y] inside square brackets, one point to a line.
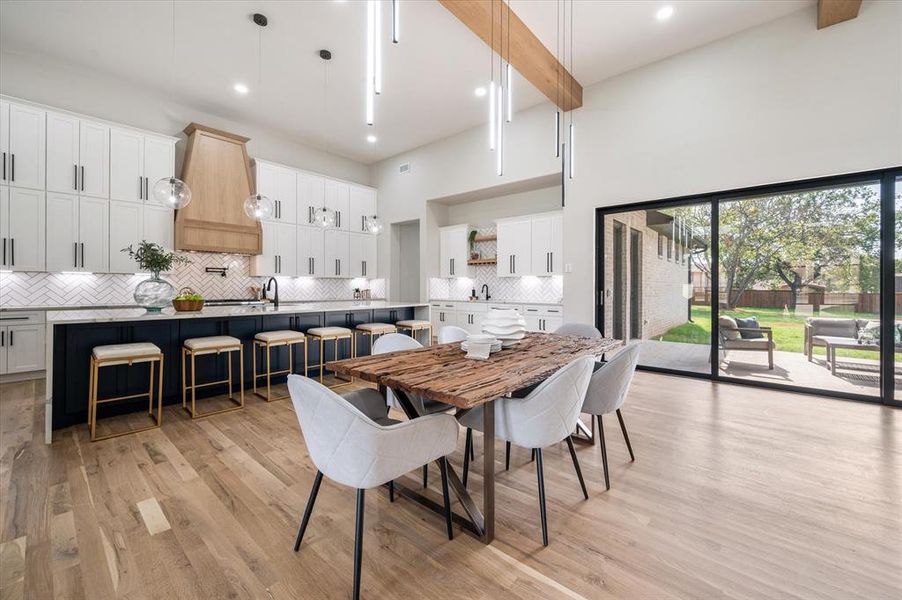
[240, 88]
[480, 92]
[664, 13]
[371, 139]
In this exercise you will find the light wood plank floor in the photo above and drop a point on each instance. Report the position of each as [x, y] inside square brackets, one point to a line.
[736, 493]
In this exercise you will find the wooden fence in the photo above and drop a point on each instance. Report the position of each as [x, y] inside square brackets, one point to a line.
[863, 302]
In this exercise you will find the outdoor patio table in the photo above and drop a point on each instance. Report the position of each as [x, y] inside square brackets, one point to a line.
[833, 342]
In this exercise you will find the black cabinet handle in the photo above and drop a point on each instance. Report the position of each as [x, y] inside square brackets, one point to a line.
[4, 166]
[4, 251]
[12, 167]
[82, 252]
[82, 178]
[75, 177]
[2, 338]
[12, 251]
[75, 254]
[551, 257]
[11, 338]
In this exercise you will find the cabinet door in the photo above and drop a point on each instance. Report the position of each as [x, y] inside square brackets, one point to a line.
[24, 348]
[337, 253]
[547, 245]
[557, 244]
[550, 324]
[93, 234]
[444, 253]
[159, 162]
[25, 230]
[26, 147]
[62, 153]
[4, 147]
[94, 159]
[286, 196]
[126, 229]
[514, 248]
[159, 225]
[458, 252]
[311, 196]
[126, 165]
[266, 182]
[4, 336]
[265, 264]
[362, 206]
[287, 250]
[337, 198]
[370, 262]
[62, 232]
[311, 257]
[4, 226]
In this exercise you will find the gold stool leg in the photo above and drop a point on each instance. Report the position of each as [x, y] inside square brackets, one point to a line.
[150, 389]
[241, 375]
[321, 347]
[268, 373]
[90, 387]
[184, 367]
[160, 394]
[93, 408]
[305, 357]
[229, 363]
[254, 365]
[193, 386]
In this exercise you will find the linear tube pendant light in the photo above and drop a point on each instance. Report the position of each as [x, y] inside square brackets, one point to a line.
[395, 21]
[377, 49]
[499, 167]
[370, 61]
[571, 169]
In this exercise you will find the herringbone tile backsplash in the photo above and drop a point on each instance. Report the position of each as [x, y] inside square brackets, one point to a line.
[83, 289]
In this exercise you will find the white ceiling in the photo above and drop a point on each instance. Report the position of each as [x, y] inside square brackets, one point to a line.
[429, 77]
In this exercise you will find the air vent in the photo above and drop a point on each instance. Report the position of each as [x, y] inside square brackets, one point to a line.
[404, 168]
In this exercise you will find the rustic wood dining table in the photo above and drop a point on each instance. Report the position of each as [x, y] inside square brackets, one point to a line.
[444, 374]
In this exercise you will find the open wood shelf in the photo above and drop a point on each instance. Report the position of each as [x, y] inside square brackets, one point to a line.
[483, 261]
[491, 237]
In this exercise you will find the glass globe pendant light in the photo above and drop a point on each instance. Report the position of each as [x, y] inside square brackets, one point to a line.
[324, 217]
[259, 207]
[172, 193]
[374, 224]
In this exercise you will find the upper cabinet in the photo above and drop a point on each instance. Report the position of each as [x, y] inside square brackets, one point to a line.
[339, 200]
[454, 251]
[22, 145]
[547, 244]
[362, 256]
[22, 218]
[514, 247]
[137, 162]
[280, 185]
[311, 197]
[78, 156]
[363, 206]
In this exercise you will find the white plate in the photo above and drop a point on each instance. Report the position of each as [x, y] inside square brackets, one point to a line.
[495, 347]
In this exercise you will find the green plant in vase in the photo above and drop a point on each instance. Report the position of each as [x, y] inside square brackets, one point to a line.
[471, 237]
[155, 293]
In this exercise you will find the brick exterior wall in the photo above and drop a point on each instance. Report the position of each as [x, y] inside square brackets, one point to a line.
[661, 302]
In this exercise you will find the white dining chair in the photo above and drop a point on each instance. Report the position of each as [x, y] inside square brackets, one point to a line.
[546, 416]
[578, 329]
[452, 333]
[350, 449]
[607, 393]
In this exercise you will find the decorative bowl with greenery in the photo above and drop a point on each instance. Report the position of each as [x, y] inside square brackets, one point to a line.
[154, 293]
[188, 301]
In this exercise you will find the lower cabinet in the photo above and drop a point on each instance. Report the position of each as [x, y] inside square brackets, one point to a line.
[21, 342]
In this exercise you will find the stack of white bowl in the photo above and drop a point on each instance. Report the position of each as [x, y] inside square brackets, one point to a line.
[480, 346]
[506, 325]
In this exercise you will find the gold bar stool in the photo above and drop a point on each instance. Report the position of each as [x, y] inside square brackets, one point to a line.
[373, 330]
[415, 325]
[217, 344]
[124, 354]
[324, 334]
[273, 339]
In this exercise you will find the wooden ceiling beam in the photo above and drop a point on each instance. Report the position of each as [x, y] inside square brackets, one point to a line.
[525, 51]
[831, 12]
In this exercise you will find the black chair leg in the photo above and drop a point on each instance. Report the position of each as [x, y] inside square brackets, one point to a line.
[468, 448]
[391, 490]
[425, 476]
[358, 544]
[532, 457]
[507, 456]
[626, 436]
[540, 474]
[308, 511]
[579, 472]
[472, 448]
[443, 466]
[604, 453]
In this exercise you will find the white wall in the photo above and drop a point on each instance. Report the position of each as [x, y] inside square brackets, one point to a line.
[113, 99]
[778, 102]
[482, 213]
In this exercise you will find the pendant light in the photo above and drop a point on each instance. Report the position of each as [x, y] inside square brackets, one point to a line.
[370, 83]
[560, 83]
[258, 206]
[172, 192]
[324, 216]
[374, 224]
[571, 169]
[395, 21]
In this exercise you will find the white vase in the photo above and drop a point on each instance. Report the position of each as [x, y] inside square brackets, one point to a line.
[506, 325]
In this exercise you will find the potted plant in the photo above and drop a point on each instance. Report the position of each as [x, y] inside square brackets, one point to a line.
[154, 293]
[472, 239]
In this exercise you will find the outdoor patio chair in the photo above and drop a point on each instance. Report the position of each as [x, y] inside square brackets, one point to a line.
[730, 335]
[819, 327]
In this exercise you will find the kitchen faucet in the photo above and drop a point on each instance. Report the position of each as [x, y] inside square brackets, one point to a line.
[275, 299]
[485, 290]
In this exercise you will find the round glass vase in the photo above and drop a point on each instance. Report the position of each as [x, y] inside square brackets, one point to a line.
[154, 294]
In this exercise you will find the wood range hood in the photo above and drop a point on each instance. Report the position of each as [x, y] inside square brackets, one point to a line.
[218, 173]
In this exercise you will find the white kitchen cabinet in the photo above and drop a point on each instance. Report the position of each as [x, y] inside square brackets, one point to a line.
[470, 316]
[159, 225]
[4, 353]
[311, 197]
[78, 233]
[362, 255]
[442, 314]
[362, 207]
[547, 244]
[159, 162]
[311, 247]
[22, 234]
[24, 139]
[454, 251]
[543, 318]
[126, 165]
[279, 257]
[338, 199]
[280, 185]
[21, 342]
[514, 247]
[127, 229]
[78, 155]
[4, 141]
[337, 248]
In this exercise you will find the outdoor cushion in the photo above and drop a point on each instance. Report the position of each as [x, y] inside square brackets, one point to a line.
[728, 328]
[833, 327]
[751, 323]
[740, 344]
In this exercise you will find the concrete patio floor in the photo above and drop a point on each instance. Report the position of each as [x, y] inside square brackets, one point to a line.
[858, 376]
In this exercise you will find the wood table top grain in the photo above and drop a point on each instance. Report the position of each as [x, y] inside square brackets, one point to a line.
[443, 373]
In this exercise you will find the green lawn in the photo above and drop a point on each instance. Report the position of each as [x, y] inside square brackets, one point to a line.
[789, 330]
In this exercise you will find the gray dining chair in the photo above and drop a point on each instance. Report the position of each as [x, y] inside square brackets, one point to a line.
[546, 416]
[452, 333]
[607, 393]
[350, 449]
[578, 329]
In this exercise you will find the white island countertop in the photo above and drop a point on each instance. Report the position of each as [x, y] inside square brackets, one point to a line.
[101, 315]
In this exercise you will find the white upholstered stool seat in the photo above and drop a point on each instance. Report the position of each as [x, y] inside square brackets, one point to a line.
[324, 332]
[136, 352]
[415, 325]
[283, 336]
[377, 328]
[214, 342]
[408, 323]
